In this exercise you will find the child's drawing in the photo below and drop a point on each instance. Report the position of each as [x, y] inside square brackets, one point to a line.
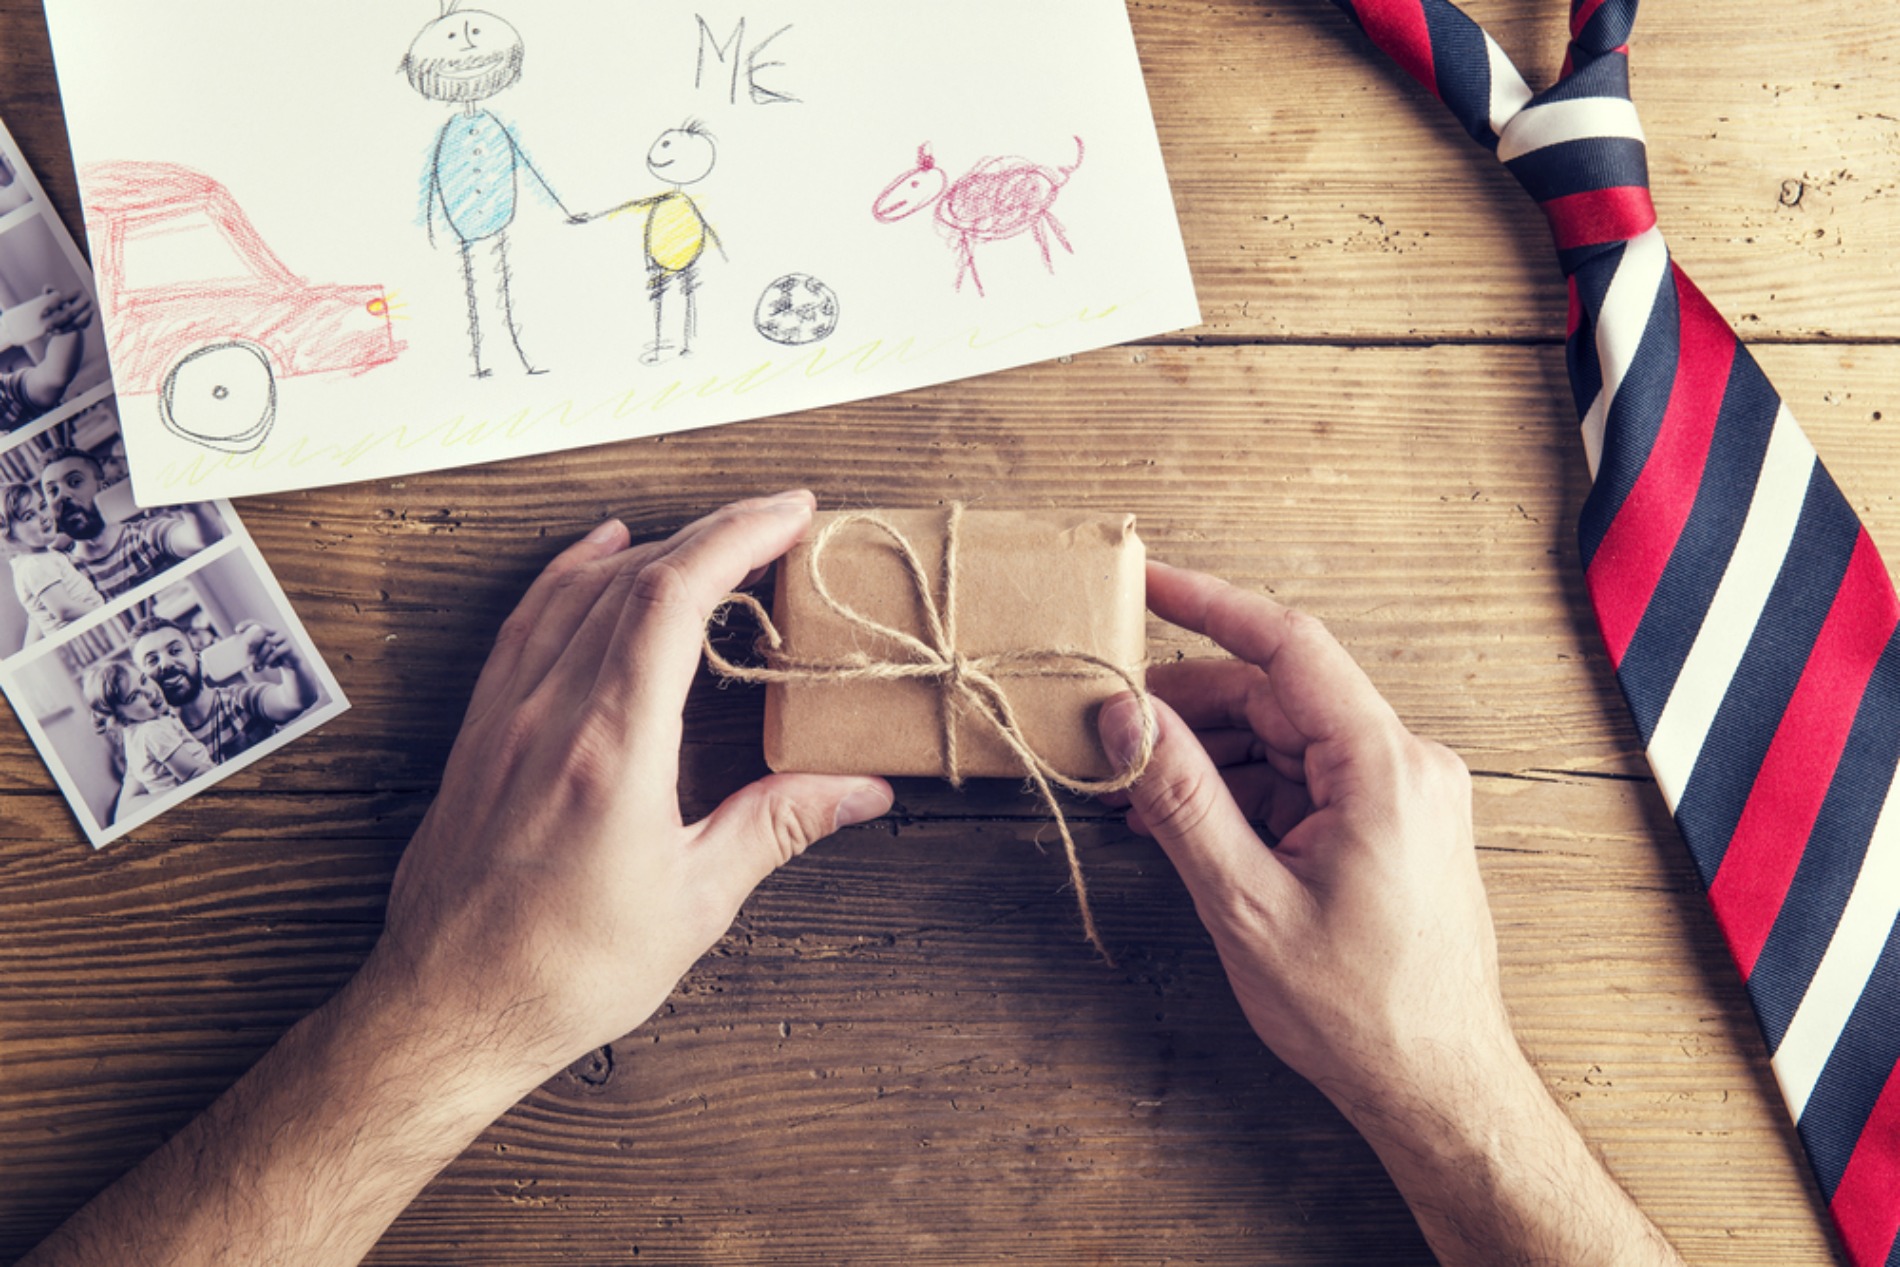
[998, 199]
[676, 234]
[206, 314]
[465, 57]
[747, 66]
[797, 309]
[442, 148]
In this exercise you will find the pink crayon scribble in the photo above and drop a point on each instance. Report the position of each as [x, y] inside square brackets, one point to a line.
[183, 269]
[998, 199]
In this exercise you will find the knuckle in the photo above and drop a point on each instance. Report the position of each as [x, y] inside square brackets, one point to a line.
[565, 580]
[519, 734]
[1439, 769]
[1176, 802]
[788, 828]
[513, 632]
[1304, 627]
[661, 584]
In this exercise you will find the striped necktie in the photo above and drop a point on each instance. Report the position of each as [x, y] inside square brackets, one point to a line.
[1749, 618]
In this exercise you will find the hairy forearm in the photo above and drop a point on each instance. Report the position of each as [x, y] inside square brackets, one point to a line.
[312, 1155]
[1496, 1173]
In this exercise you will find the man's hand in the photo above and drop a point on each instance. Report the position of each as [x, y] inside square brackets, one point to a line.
[547, 905]
[1360, 945]
[553, 896]
[70, 313]
[1356, 933]
[270, 649]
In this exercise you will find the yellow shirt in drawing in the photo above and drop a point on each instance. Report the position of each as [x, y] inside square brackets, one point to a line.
[676, 232]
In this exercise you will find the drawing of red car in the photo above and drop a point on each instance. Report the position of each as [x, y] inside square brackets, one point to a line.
[200, 310]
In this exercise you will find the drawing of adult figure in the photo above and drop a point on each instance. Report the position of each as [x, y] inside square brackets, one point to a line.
[114, 556]
[676, 232]
[227, 720]
[465, 57]
[27, 393]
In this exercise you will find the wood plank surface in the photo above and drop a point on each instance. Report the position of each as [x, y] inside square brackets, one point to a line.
[904, 1052]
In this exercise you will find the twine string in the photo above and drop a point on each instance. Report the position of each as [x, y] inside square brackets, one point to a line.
[966, 684]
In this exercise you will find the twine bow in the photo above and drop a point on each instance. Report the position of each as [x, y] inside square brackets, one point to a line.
[967, 684]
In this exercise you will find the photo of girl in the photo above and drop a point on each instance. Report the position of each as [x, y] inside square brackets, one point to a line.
[156, 748]
[50, 588]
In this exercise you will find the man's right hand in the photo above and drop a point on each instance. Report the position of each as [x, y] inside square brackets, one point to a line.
[1359, 941]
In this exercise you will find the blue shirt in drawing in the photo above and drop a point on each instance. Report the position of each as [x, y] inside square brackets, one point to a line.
[474, 175]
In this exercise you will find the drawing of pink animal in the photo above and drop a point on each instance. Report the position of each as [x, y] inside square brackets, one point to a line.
[998, 199]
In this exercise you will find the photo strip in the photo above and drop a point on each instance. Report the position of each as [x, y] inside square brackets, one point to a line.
[147, 653]
[73, 537]
[173, 691]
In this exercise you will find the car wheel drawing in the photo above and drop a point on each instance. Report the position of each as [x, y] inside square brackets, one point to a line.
[223, 396]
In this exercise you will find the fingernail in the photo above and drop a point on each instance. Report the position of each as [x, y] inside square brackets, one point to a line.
[862, 804]
[792, 499]
[1120, 728]
[604, 533]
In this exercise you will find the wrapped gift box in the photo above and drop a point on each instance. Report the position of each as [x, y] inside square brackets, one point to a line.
[1042, 583]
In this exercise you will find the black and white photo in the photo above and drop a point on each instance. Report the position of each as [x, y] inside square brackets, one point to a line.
[195, 679]
[73, 537]
[52, 345]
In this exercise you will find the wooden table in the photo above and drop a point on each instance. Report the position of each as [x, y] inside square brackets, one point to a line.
[904, 1052]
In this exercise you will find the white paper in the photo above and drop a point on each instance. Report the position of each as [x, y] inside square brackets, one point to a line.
[82, 619]
[287, 231]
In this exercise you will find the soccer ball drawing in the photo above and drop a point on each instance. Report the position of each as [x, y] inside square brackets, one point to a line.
[797, 309]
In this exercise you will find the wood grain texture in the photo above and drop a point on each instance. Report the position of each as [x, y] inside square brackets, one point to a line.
[904, 1051]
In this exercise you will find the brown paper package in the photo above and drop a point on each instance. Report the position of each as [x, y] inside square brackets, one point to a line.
[1026, 581]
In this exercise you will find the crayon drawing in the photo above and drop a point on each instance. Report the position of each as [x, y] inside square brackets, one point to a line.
[204, 312]
[998, 199]
[590, 220]
[472, 180]
[674, 233]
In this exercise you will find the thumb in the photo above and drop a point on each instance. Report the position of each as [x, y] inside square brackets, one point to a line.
[1184, 803]
[766, 824]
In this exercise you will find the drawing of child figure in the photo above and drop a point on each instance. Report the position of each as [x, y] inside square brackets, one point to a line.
[676, 233]
[159, 751]
[52, 590]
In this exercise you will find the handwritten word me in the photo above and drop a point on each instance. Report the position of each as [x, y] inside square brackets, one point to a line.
[744, 64]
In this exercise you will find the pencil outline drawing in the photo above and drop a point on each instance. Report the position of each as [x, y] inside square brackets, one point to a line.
[997, 199]
[233, 377]
[292, 326]
[465, 57]
[749, 64]
[797, 309]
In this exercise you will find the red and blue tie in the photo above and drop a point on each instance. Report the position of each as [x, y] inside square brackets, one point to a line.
[1749, 618]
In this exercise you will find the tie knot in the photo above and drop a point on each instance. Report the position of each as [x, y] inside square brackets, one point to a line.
[1578, 149]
